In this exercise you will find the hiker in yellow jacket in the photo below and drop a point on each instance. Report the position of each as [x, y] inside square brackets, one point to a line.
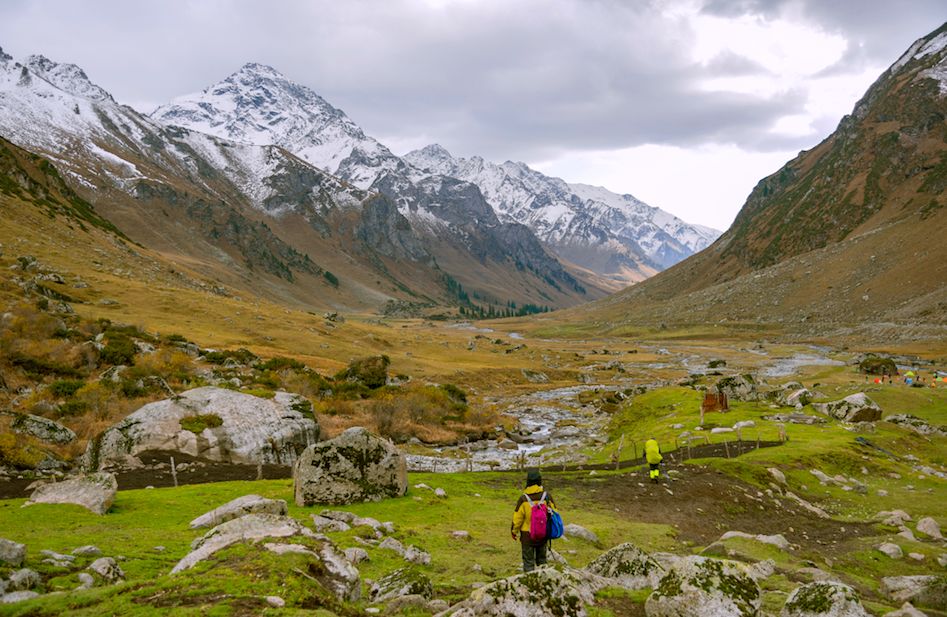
[652, 453]
[534, 551]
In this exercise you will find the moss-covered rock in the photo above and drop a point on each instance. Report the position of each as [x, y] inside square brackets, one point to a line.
[705, 588]
[823, 599]
[541, 592]
[401, 582]
[634, 568]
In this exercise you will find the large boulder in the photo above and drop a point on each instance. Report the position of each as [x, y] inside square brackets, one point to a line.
[240, 506]
[401, 582]
[355, 466]
[631, 566]
[541, 592]
[213, 423]
[922, 590]
[43, 429]
[741, 388]
[12, 553]
[853, 408]
[700, 587]
[93, 491]
[823, 599]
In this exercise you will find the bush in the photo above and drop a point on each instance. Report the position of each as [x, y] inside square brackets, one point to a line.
[64, 388]
[16, 454]
[241, 356]
[373, 371]
[196, 424]
[119, 349]
[73, 408]
[874, 365]
[280, 363]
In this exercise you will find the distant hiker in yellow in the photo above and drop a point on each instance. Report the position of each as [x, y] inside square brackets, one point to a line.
[652, 453]
[529, 521]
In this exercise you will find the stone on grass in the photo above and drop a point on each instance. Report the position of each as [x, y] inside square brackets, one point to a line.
[355, 466]
[578, 531]
[239, 507]
[107, 569]
[12, 553]
[823, 599]
[923, 590]
[94, 491]
[740, 388]
[327, 525]
[894, 518]
[23, 579]
[544, 591]
[439, 492]
[87, 551]
[43, 429]
[891, 550]
[942, 560]
[907, 610]
[460, 535]
[701, 586]
[400, 604]
[275, 601]
[401, 582]
[853, 408]
[630, 565]
[779, 476]
[917, 556]
[18, 596]
[338, 574]
[929, 527]
[221, 425]
[777, 540]
[86, 581]
[356, 555]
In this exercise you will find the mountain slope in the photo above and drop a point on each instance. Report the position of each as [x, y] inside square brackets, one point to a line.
[616, 236]
[848, 233]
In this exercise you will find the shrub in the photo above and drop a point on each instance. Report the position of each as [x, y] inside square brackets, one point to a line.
[331, 278]
[17, 454]
[373, 371]
[65, 388]
[119, 349]
[280, 363]
[241, 356]
[874, 365]
[196, 424]
[73, 408]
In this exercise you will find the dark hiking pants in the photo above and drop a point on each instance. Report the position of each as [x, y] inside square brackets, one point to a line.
[534, 554]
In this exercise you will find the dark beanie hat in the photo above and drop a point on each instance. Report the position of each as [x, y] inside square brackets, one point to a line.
[533, 477]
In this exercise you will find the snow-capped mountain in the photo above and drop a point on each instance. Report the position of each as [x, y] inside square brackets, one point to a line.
[578, 221]
[258, 105]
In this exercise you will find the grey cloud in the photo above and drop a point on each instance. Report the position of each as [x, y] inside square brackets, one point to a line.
[521, 80]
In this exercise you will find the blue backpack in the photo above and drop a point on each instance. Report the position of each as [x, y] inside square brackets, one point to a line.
[554, 528]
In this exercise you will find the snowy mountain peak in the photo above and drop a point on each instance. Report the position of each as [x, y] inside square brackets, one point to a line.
[262, 70]
[4, 57]
[67, 77]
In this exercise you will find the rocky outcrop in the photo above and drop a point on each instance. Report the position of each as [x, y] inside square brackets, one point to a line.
[248, 504]
[853, 408]
[929, 527]
[923, 590]
[541, 592]
[916, 424]
[631, 566]
[94, 491]
[12, 553]
[823, 599]
[355, 466]
[339, 575]
[107, 570]
[43, 429]
[741, 388]
[707, 587]
[401, 582]
[212, 423]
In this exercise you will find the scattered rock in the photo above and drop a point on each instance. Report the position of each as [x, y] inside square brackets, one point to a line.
[356, 555]
[42, 428]
[916, 424]
[213, 423]
[12, 553]
[923, 590]
[18, 596]
[825, 598]
[355, 466]
[87, 551]
[907, 534]
[275, 601]
[894, 518]
[634, 568]
[891, 550]
[86, 581]
[107, 569]
[577, 531]
[906, 610]
[740, 388]
[917, 556]
[853, 408]
[795, 418]
[541, 592]
[239, 507]
[779, 476]
[777, 540]
[721, 429]
[701, 586]
[534, 376]
[744, 424]
[400, 604]
[460, 535]
[402, 582]
[440, 493]
[23, 579]
[338, 574]
[929, 527]
[94, 491]
[328, 525]
[796, 396]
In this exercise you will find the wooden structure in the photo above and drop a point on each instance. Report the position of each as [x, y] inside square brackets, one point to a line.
[714, 401]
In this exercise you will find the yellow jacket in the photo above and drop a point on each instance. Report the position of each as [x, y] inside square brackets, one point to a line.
[653, 452]
[521, 512]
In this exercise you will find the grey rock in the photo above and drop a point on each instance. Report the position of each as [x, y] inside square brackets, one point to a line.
[18, 596]
[630, 565]
[916, 424]
[891, 550]
[578, 531]
[12, 553]
[906, 610]
[853, 408]
[399, 604]
[275, 601]
[252, 430]
[923, 590]
[777, 540]
[328, 525]
[356, 555]
[24, 579]
[929, 527]
[87, 551]
[341, 577]
[94, 491]
[701, 586]
[239, 507]
[355, 466]
[823, 599]
[401, 582]
[86, 581]
[894, 518]
[107, 569]
[544, 591]
[741, 388]
[779, 476]
[42, 429]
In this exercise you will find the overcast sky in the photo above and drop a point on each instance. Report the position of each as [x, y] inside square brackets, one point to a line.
[685, 104]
